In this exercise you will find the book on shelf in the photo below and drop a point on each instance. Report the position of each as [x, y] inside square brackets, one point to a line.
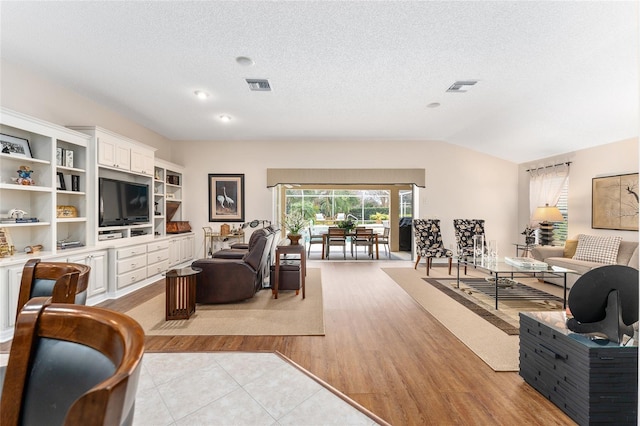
[21, 220]
[59, 156]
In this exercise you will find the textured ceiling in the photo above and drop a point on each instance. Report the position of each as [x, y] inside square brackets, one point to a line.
[553, 77]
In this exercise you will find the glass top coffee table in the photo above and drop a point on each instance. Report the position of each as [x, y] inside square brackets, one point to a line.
[503, 271]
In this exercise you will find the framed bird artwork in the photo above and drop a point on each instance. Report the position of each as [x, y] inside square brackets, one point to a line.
[226, 197]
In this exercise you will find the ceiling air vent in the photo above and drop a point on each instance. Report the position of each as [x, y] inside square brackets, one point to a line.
[257, 84]
[458, 86]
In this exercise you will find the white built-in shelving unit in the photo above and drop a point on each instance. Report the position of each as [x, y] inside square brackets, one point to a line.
[142, 254]
[42, 200]
[167, 188]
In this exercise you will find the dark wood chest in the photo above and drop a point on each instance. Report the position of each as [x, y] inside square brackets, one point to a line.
[594, 381]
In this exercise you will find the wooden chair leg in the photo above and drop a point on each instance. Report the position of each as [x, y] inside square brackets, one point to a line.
[417, 261]
[450, 265]
[428, 264]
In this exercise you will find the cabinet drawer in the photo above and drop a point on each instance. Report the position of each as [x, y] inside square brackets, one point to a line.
[157, 256]
[160, 245]
[157, 268]
[128, 265]
[131, 278]
[131, 251]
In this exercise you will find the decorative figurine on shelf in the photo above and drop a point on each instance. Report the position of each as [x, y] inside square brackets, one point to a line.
[529, 235]
[24, 176]
[16, 214]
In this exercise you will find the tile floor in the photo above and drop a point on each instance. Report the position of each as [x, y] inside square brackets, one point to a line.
[233, 388]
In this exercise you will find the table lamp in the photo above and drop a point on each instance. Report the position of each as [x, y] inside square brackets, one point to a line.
[546, 216]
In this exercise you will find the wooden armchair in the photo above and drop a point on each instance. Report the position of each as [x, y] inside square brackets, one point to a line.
[71, 365]
[63, 282]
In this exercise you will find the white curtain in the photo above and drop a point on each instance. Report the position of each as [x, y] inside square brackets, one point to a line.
[545, 185]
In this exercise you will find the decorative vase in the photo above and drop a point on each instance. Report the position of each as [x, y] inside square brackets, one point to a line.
[294, 238]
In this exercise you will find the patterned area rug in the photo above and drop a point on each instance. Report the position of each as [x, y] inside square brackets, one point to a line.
[478, 296]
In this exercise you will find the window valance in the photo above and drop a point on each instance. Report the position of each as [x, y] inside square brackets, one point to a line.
[346, 176]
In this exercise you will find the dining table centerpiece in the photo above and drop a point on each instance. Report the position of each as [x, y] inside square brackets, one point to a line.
[348, 225]
[294, 223]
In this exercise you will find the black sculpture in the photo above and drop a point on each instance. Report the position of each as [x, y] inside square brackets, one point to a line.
[604, 301]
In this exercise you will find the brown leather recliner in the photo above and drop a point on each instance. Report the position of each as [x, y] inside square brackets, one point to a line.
[237, 251]
[233, 280]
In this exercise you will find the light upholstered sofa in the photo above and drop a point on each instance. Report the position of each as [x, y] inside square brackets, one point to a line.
[585, 253]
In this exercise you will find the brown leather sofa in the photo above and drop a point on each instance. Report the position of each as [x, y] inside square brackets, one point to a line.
[233, 280]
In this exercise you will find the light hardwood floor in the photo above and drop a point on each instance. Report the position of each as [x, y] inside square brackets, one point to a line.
[386, 352]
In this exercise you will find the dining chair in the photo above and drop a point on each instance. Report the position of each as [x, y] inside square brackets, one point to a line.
[315, 237]
[384, 240]
[429, 242]
[363, 237]
[71, 365]
[337, 237]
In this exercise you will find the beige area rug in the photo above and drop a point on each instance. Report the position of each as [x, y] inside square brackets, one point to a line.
[262, 315]
[496, 348]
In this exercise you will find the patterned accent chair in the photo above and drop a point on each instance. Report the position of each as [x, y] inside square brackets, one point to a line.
[429, 242]
[465, 230]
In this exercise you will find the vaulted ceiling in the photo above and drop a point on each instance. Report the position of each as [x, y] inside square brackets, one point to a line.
[551, 77]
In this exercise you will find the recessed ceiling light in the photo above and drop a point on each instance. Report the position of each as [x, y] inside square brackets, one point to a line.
[433, 105]
[201, 94]
[244, 61]
[224, 118]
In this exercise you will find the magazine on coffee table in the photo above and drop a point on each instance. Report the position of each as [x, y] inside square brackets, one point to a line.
[525, 262]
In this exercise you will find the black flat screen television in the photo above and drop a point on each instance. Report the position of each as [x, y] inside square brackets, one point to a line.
[123, 203]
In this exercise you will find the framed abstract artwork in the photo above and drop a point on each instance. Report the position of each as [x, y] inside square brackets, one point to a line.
[226, 198]
[614, 202]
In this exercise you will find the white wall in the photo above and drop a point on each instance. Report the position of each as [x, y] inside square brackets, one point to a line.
[606, 160]
[24, 91]
[459, 183]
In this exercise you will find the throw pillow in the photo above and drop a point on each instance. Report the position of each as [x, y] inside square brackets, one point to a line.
[597, 249]
[570, 248]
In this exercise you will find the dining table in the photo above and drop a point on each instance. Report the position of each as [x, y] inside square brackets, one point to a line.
[349, 234]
